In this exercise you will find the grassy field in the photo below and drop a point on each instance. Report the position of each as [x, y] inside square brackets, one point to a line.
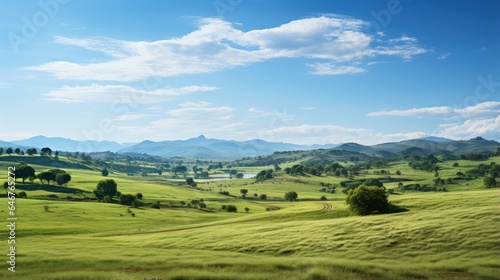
[451, 235]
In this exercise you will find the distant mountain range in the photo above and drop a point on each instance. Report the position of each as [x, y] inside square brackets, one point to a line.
[425, 146]
[66, 145]
[202, 147]
[199, 147]
[356, 152]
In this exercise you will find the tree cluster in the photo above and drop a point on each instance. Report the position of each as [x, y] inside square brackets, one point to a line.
[264, 175]
[428, 164]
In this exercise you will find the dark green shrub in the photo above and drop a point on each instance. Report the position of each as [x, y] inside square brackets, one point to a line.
[366, 200]
[126, 199]
[156, 205]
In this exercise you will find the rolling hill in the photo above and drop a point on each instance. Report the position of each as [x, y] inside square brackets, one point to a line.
[202, 147]
[356, 152]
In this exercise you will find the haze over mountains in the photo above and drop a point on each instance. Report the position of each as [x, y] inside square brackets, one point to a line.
[199, 147]
[202, 147]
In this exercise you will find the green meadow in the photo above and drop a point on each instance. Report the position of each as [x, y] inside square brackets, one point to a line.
[63, 233]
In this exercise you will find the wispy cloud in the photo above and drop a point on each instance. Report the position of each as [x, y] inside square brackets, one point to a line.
[333, 70]
[324, 134]
[218, 45]
[195, 104]
[184, 122]
[254, 112]
[444, 56]
[120, 94]
[485, 109]
[202, 112]
[130, 117]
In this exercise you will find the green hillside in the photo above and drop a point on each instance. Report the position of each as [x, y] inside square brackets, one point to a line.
[63, 232]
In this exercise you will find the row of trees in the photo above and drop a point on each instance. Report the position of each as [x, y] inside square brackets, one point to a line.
[24, 171]
[30, 151]
[318, 169]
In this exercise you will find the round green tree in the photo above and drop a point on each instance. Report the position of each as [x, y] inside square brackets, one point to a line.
[63, 178]
[291, 196]
[104, 172]
[365, 200]
[106, 187]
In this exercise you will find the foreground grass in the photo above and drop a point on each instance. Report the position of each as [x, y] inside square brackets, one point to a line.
[443, 236]
[453, 235]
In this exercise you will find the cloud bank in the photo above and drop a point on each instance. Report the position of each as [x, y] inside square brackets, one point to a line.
[331, 44]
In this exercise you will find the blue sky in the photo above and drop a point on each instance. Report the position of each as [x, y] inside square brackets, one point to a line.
[305, 72]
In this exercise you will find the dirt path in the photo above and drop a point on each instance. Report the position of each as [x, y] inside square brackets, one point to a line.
[326, 207]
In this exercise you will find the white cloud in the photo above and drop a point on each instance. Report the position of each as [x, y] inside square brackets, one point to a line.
[331, 69]
[253, 110]
[119, 94]
[309, 108]
[218, 45]
[195, 104]
[403, 39]
[485, 109]
[444, 56]
[330, 134]
[471, 128]
[202, 112]
[185, 122]
[130, 117]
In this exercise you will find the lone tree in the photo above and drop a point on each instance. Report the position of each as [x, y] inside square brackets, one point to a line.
[365, 200]
[291, 196]
[105, 172]
[9, 151]
[106, 187]
[243, 192]
[46, 151]
[63, 178]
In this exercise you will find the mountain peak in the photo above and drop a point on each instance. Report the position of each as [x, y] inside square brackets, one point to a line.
[201, 137]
